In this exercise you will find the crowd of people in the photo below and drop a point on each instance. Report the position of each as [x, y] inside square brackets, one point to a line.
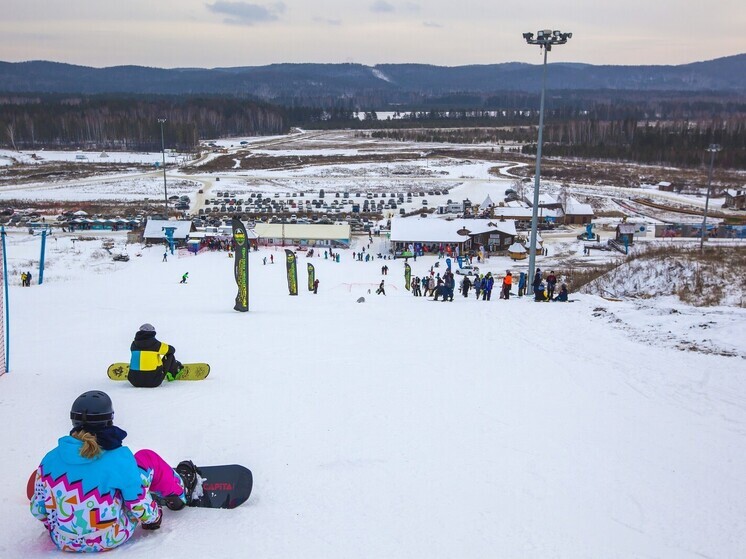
[442, 288]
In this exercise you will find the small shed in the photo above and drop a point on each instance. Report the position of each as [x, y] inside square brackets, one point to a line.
[516, 251]
[625, 233]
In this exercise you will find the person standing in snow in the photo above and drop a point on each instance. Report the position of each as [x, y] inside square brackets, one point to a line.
[449, 284]
[521, 284]
[478, 283]
[380, 290]
[315, 286]
[507, 285]
[551, 282]
[465, 286]
[151, 360]
[165, 257]
[91, 492]
[28, 279]
[537, 286]
[184, 278]
[487, 283]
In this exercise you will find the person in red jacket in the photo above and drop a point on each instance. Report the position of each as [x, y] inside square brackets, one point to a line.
[551, 282]
[507, 285]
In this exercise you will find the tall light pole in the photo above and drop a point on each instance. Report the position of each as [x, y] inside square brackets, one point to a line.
[545, 38]
[163, 151]
[713, 149]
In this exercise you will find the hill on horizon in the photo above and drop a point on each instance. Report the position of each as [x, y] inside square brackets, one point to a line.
[295, 84]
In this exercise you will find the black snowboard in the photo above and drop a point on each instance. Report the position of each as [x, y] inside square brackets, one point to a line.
[225, 487]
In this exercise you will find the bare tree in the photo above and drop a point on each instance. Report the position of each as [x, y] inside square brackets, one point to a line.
[11, 130]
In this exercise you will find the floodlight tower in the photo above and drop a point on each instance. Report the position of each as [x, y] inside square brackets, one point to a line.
[546, 38]
[713, 149]
[163, 152]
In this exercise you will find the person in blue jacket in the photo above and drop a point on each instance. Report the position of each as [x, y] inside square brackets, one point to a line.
[562, 295]
[522, 284]
[487, 284]
[90, 492]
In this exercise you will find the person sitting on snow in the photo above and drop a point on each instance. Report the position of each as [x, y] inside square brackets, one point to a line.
[105, 490]
[151, 361]
[562, 295]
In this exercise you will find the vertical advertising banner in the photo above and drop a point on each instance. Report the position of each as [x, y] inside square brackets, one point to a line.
[407, 276]
[311, 276]
[292, 271]
[241, 265]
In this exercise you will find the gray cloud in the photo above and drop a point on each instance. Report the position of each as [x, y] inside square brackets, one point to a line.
[243, 13]
[381, 7]
[411, 6]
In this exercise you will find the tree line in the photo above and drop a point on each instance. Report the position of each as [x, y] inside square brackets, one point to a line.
[131, 123]
[679, 143]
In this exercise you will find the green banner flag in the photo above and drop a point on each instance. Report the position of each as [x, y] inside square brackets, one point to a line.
[292, 272]
[241, 265]
[311, 276]
[407, 276]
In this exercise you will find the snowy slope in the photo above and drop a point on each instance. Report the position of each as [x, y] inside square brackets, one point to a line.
[393, 428]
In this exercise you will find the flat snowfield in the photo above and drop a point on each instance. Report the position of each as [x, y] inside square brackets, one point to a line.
[394, 428]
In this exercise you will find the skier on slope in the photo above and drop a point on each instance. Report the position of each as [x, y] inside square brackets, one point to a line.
[151, 361]
[91, 492]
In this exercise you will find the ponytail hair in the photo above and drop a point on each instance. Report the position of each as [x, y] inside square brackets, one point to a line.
[90, 448]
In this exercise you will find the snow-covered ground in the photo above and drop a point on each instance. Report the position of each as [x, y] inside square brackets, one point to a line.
[39, 157]
[390, 428]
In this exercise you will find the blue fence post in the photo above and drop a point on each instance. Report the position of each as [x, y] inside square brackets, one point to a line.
[41, 259]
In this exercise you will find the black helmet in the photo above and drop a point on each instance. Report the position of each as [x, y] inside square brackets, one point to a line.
[92, 409]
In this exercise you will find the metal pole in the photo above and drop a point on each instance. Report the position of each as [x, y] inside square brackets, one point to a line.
[163, 152]
[7, 308]
[712, 149]
[535, 207]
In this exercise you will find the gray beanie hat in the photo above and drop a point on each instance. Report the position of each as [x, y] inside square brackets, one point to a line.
[147, 328]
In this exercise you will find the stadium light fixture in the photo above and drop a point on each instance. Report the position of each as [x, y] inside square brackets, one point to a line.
[546, 39]
[713, 149]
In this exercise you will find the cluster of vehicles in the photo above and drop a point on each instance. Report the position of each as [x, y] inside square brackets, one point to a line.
[180, 202]
[341, 203]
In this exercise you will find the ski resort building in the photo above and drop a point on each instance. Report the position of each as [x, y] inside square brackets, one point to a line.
[303, 234]
[576, 213]
[462, 234]
[155, 230]
[735, 199]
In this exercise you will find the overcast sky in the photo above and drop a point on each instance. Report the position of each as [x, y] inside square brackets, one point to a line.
[214, 33]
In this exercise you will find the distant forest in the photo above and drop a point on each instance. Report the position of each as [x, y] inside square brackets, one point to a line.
[131, 122]
[677, 143]
[666, 128]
